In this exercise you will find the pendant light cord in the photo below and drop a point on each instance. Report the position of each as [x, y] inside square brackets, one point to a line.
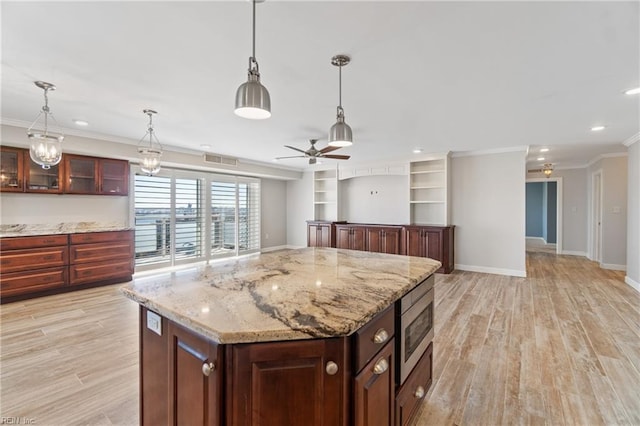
[45, 109]
[253, 50]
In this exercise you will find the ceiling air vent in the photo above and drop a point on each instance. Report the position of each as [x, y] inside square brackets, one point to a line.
[219, 159]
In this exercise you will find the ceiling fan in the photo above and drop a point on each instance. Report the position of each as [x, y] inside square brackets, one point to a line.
[547, 169]
[313, 153]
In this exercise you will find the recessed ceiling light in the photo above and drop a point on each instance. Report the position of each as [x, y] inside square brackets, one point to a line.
[597, 128]
[540, 158]
[205, 146]
[544, 149]
[634, 91]
[80, 122]
[417, 150]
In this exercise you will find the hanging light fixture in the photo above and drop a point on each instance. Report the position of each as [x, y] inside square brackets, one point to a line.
[252, 98]
[548, 169]
[150, 150]
[340, 134]
[45, 146]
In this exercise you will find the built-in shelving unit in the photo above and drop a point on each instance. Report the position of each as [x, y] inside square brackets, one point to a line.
[325, 194]
[429, 191]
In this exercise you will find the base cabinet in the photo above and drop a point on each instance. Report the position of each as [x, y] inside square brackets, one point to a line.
[374, 390]
[414, 389]
[321, 234]
[384, 240]
[435, 242]
[350, 237]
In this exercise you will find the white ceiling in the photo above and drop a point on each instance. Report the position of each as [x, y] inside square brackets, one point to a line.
[441, 76]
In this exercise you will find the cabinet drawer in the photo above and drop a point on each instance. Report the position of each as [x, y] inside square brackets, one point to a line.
[100, 252]
[21, 260]
[415, 388]
[101, 237]
[102, 271]
[371, 338]
[16, 243]
[16, 283]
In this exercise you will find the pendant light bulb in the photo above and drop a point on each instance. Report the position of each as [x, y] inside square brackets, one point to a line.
[45, 147]
[340, 134]
[149, 148]
[252, 98]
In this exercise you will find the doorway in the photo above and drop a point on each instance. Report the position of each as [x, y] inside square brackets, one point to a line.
[544, 215]
[596, 213]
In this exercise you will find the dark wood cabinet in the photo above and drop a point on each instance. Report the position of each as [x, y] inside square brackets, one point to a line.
[12, 169]
[44, 264]
[91, 175]
[37, 179]
[195, 380]
[350, 237]
[384, 239]
[435, 242]
[374, 390]
[414, 389]
[321, 234]
[113, 177]
[101, 257]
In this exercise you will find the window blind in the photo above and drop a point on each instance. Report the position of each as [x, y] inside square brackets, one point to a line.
[152, 219]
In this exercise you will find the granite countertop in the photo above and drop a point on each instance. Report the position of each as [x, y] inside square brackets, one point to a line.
[286, 295]
[28, 230]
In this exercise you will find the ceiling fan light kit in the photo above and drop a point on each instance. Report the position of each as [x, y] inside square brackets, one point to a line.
[340, 134]
[45, 147]
[313, 153]
[150, 151]
[252, 98]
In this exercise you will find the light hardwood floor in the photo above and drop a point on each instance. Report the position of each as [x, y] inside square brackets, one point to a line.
[559, 347]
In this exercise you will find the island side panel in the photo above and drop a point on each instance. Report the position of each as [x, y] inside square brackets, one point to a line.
[154, 372]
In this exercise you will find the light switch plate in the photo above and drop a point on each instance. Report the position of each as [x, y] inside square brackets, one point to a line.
[154, 322]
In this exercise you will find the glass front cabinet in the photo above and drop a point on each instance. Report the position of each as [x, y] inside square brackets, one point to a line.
[11, 169]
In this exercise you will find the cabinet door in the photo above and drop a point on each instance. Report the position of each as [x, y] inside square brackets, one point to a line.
[433, 243]
[343, 237]
[318, 235]
[358, 238]
[414, 389]
[374, 390]
[81, 174]
[38, 179]
[12, 169]
[309, 374]
[374, 240]
[415, 242]
[391, 238]
[195, 379]
[114, 177]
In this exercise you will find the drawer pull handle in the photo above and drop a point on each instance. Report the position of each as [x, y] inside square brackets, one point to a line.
[381, 366]
[419, 393]
[381, 336]
[331, 368]
[49, 257]
[48, 241]
[207, 368]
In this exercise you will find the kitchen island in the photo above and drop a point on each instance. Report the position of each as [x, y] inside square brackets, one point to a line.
[306, 336]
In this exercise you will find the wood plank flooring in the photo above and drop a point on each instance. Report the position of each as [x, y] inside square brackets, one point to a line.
[559, 347]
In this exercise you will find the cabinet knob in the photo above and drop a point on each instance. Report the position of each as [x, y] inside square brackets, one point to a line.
[207, 368]
[419, 393]
[381, 336]
[331, 368]
[381, 366]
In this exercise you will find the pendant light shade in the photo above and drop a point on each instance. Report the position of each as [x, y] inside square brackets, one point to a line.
[45, 146]
[252, 98]
[340, 134]
[149, 148]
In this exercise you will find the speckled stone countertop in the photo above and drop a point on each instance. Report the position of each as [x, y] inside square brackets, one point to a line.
[28, 230]
[286, 295]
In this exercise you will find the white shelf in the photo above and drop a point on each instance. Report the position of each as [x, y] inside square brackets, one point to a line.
[427, 202]
[428, 187]
[325, 194]
[428, 191]
[324, 202]
[421, 172]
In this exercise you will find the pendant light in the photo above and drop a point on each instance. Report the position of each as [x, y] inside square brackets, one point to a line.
[340, 134]
[252, 98]
[45, 147]
[150, 150]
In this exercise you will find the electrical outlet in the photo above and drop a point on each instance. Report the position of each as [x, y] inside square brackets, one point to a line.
[154, 322]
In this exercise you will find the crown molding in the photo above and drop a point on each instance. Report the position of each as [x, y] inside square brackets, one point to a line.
[603, 156]
[633, 139]
[522, 148]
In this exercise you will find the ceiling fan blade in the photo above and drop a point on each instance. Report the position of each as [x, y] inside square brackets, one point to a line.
[295, 149]
[328, 149]
[337, 157]
[294, 156]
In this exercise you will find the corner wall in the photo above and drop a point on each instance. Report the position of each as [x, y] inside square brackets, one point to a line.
[299, 209]
[633, 217]
[488, 210]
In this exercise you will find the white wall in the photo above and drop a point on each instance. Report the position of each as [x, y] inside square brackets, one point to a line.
[488, 210]
[614, 210]
[633, 216]
[574, 210]
[375, 199]
[299, 209]
[273, 213]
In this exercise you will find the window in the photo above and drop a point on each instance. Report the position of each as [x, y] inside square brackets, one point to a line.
[177, 221]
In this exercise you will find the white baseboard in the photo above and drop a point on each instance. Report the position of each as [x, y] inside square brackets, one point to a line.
[488, 270]
[634, 284]
[574, 253]
[613, 266]
[537, 239]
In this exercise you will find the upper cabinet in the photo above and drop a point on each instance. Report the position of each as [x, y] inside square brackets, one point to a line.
[11, 169]
[429, 191]
[76, 174]
[91, 175]
[325, 195]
